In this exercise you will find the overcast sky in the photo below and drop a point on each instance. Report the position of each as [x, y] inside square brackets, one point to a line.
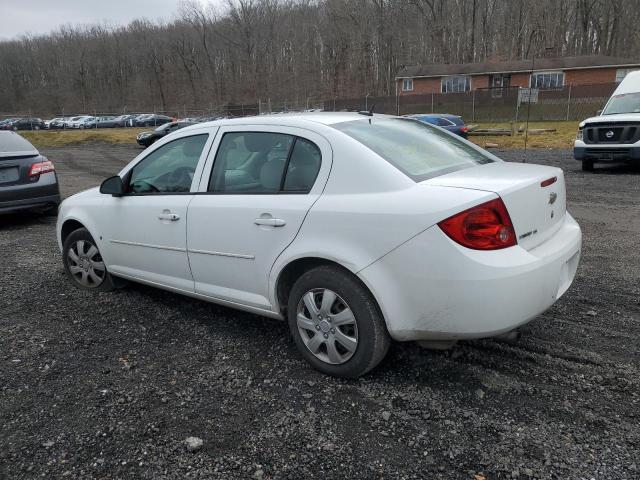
[18, 17]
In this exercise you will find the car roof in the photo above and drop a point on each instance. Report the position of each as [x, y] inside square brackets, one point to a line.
[630, 84]
[291, 119]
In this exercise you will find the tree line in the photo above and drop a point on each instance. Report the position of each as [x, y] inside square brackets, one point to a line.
[293, 51]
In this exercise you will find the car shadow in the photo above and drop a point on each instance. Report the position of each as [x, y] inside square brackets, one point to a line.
[26, 218]
[617, 169]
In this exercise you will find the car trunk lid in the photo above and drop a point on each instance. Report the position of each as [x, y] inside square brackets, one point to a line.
[14, 169]
[534, 195]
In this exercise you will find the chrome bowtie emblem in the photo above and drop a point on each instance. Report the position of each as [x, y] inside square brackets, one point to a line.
[552, 198]
[609, 134]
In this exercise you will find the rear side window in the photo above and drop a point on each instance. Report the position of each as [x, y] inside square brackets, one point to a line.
[303, 167]
[443, 122]
[264, 163]
[418, 150]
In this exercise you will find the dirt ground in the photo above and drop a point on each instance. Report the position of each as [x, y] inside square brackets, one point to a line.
[110, 385]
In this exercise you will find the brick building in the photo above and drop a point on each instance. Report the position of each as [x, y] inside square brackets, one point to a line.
[543, 73]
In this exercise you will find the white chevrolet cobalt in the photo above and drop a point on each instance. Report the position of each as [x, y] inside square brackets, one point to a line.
[357, 229]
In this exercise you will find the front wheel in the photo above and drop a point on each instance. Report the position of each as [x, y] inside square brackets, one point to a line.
[83, 263]
[336, 323]
[587, 165]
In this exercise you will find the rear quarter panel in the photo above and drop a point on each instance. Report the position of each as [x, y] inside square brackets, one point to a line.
[355, 230]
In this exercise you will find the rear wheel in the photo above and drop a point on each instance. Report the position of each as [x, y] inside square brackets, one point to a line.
[336, 323]
[587, 165]
[83, 263]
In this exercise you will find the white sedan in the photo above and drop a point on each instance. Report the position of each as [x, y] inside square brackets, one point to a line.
[356, 229]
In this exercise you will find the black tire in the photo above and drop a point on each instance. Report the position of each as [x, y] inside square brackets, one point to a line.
[373, 340]
[587, 165]
[82, 234]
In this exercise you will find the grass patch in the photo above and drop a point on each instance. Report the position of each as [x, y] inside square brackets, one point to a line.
[62, 138]
[563, 137]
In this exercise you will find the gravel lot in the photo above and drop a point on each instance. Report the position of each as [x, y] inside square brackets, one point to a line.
[110, 385]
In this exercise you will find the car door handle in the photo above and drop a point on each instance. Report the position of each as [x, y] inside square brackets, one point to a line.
[272, 222]
[173, 217]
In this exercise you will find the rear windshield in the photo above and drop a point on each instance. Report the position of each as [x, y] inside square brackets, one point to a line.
[15, 144]
[625, 103]
[418, 150]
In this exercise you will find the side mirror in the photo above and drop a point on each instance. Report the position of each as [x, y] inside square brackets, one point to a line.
[598, 113]
[112, 186]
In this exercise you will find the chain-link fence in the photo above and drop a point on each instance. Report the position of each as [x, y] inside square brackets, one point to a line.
[572, 102]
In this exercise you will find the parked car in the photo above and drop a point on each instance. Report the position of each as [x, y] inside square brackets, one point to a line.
[115, 122]
[147, 138]
[453, 123]
[29, 123]
[356, 228]
[57, 123]
[613, 135]
[70, 121]
[81, 122]
[27, 179]
[6, 123]
[50, 124]
[151, 120]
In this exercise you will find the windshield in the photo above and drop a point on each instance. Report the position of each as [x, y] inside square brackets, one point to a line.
[418, 150]
[624, 103]
[13, 143]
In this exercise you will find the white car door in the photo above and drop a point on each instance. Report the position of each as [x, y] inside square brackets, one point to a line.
[257, 187]
[145, 229]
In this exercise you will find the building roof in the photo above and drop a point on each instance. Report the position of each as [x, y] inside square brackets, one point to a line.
[514, 66]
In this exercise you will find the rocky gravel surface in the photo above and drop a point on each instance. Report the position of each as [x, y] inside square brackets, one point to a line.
[141, 383]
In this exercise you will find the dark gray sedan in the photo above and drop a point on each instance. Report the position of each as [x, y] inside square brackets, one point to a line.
[27, 179]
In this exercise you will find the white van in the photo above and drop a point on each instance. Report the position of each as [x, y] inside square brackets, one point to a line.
[614, 135]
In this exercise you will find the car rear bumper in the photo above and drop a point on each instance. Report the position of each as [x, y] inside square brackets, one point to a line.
[431, 288]
[45, 192]
[606, 153]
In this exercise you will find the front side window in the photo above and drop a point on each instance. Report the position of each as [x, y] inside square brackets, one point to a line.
[547, 80]
[418, 150]
[456, 84]
[170, 168]
[407, 85]
[263, 163]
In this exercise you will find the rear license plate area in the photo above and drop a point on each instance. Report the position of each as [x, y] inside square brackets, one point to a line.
[9, 174]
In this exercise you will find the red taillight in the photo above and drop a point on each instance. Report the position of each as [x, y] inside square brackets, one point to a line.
[464, 129]
[40, 168]
[549, 181]
[483, 227]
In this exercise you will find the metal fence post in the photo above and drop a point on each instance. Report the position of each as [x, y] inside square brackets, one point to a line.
[473, 105]
[569, 102]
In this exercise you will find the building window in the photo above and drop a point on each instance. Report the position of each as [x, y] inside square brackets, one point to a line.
[547, 80]
[456, 84]
[497, 83]
[622, 72]
[407, 85]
